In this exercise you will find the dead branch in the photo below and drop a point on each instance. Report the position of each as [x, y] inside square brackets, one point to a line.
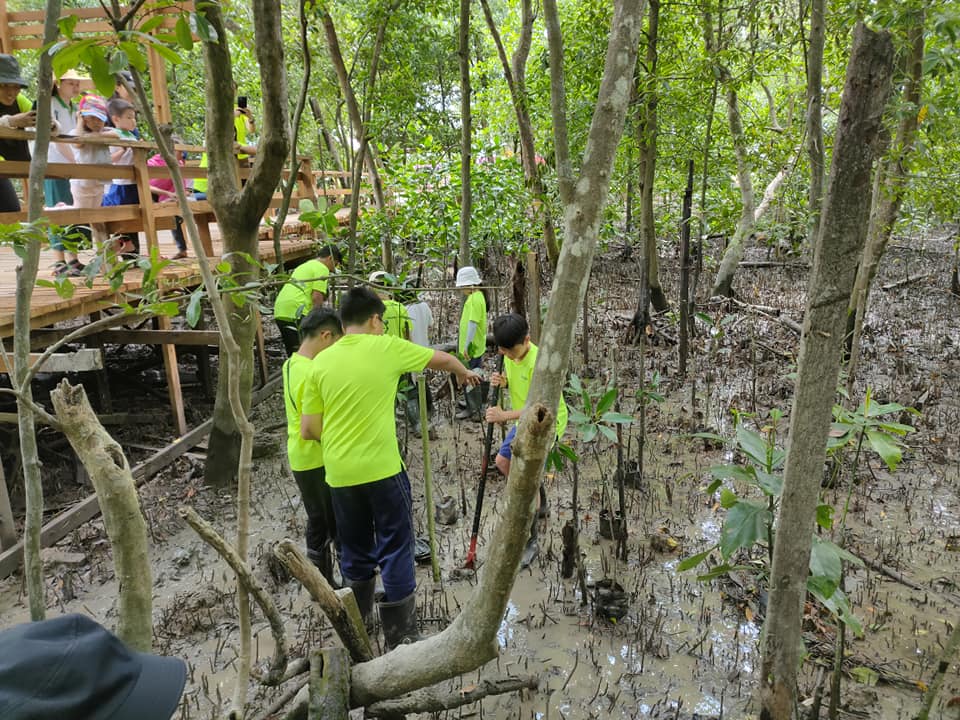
[213, 539]
[434, 699]
[117, 494]
[771, 313]
[905, 281]
[348, 626]
[291, 694]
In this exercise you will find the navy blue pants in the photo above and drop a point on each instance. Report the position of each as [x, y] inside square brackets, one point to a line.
[375, 525]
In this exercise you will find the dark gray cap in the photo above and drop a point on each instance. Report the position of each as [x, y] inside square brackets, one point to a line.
[10, 71]
[71, 667]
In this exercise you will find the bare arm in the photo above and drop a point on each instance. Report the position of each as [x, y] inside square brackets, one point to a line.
[311, 426]
[448, 363]
[318, 298]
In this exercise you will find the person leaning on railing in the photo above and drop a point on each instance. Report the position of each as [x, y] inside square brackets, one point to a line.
[15, 112]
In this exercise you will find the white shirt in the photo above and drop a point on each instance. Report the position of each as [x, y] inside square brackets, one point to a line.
[66, 116]
[422, 319]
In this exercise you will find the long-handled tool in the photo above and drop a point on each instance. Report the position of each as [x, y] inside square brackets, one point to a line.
[470, 562]
[427, 476]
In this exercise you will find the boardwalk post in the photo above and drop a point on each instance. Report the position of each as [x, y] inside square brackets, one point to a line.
[169, 352]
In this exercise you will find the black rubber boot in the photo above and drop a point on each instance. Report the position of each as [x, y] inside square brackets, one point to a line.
[474, 406]
[532, 548]
[399, 621]
[323, 559]
[363, 592]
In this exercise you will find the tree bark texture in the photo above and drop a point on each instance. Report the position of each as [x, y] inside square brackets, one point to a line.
[838, 248]
[26, 277]
[8, 530]
[329, 684]
[558, 101]
[110, 474]
[437, 700]
[892, 185]
[470, 640]
[815, 151]
[647, 142]
[734, 252]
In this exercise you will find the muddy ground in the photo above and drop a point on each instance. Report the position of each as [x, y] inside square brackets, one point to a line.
[685, 649]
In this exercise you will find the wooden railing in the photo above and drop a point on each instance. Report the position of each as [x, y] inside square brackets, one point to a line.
[147, 216]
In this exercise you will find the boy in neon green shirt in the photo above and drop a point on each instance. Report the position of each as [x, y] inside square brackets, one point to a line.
[349, 402]
[306, 289]
[396, 319]
[472, 338]
[320, 329]
[520, 357]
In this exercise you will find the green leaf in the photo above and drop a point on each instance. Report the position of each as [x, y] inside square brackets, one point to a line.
[223, 266]
[719, 570]
[825, 516]
[770, 483]
[167, 54]
[825, 560]
[753, 445]
[119, 62]
[135, 54]
[735, 472]
[67, 23]
[708, 436]
[152, 23]
[567, 452]
[746, 523]
[608, 433]
[728, 498]
[195, 308]
[589, 433]
[168, 308]
[606, 401]
[694, 560]
[104, 78]
[886, 448]
[712, 487]
[205, 30]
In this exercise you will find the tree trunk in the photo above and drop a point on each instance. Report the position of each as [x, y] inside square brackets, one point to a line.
[241, 209]
[367, 156]
[647, 142]
[116, 491]
[842, 233]
[891, 187]
[815, 115]
[466, 133]
[734, 253]
[470, 640]
[26, 277]
[515, 75]
[328, 142]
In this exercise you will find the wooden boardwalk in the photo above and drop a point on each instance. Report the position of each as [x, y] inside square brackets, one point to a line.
[47, 307]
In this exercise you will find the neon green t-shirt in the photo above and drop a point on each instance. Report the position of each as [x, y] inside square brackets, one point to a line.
[519, 375]
[353, 384]
[295, 298]
[474, 309]
[396, 320]
[240, 131]
[303, 454]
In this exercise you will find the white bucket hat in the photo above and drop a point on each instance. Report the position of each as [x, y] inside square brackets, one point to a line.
[467, 276]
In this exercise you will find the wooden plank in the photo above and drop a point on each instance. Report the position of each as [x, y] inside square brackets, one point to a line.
[146, 197]
[80, 361]
[89, 508]
[5, 46]
[110, 418]
[172, 371]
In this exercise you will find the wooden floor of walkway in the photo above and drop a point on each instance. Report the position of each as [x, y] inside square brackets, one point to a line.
[47, 307]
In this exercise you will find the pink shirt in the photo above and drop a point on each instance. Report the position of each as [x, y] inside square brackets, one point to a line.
[163, 183]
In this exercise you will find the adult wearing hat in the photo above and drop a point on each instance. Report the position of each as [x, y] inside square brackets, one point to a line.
[15, 112]
[472, 337]
[71, 668]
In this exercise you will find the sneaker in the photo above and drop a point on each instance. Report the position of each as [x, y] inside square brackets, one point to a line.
[62, 269]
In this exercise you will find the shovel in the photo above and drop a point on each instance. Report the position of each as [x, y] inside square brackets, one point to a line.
[470, 562]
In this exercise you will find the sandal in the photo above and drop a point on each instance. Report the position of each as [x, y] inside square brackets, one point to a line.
[62, 269]
[76, 265]
[180, 255]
